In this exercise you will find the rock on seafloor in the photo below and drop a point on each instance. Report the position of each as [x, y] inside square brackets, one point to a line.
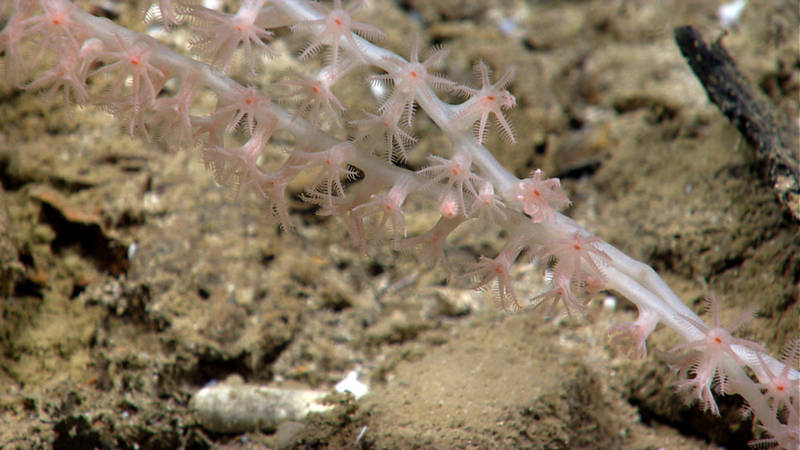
[238, 408]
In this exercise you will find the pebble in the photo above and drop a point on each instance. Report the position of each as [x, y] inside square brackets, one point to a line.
[239, 408]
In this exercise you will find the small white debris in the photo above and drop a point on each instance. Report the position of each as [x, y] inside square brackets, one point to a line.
[152, 203]
[729, 13]
[132, 250]
[507, 26]
[360, 435]
[232, 408]
[610, 303]
[351, 384]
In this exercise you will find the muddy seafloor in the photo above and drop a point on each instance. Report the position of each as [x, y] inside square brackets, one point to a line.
[103, 350]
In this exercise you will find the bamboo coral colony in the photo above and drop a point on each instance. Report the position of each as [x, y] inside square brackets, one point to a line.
[359, 180]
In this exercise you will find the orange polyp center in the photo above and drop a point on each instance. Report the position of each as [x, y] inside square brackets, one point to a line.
[135, 61]
[536, 192]
[780, 388]
[249, 101]
[490, 98]
[414, 74]
[315, 89]
[576, 246]
[718, 340]
[338, 21]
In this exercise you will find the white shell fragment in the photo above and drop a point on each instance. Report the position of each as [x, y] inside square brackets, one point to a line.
[730, 13]
[351, 384]
[227, 408]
